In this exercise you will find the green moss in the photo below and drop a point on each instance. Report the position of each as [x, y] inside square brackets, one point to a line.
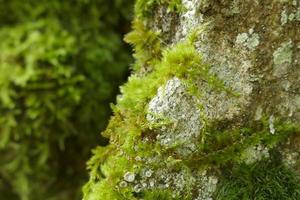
[146, 8]
[223, 146]
[129, 123]
[263, 180]
[146, 45]
[162, 195]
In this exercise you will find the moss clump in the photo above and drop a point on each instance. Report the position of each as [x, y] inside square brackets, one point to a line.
[129, 123]
[145, 8]
[162, 195]
[263, 180]
[146, 45]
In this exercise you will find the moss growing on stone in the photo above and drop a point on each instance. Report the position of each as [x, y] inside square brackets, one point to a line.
[144, 8]
[146, 45]
[267, 179]
[154, 153]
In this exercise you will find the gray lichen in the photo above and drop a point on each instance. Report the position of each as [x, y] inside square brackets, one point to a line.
[189, 19]
[249, 40]
[174, 104]
[283, 54]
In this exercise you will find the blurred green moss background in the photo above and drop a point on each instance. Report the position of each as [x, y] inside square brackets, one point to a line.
[61, 62]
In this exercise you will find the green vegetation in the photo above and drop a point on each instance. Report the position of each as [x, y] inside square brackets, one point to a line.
[60, 65]
[224, 146]
[146, 44]
[162, 195]
[145, 8]
[267, 179]
[129, 121]
[219, 147]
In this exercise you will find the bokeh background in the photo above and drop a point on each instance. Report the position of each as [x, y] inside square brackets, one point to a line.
[61, 62]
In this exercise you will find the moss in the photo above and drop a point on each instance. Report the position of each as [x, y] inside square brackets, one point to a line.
[263, 180]
[145, 8]
[146, 45]
[223, 146]
[129, 122]
[162, 195]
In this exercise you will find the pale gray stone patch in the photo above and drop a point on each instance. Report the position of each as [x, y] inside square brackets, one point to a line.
[190, 19]
[219, 104]
[208, 185]
[294, 3]
[174, 104]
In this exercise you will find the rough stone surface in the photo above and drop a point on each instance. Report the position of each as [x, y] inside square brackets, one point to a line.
[178, 109]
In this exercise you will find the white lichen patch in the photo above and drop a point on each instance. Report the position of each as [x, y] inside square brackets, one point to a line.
[129, 177]
[190, 19]
[250, 40]
[234, 7]
[290, 17]
[290, 158]
[220, 104]
[173, 104]
[283, 54]
[254, 154]
[179, 181]
[208, 186]
[232, 66]
[282, 58]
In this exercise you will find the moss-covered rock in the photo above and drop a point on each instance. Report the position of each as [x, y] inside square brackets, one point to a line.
[211, 117]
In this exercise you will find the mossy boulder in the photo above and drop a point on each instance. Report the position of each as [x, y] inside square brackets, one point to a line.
[206, 114]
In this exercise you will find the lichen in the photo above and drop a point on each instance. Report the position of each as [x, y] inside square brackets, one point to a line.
[254, 154]
[174, 103]
[283, 54]
[189, 19]
[249, 40]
